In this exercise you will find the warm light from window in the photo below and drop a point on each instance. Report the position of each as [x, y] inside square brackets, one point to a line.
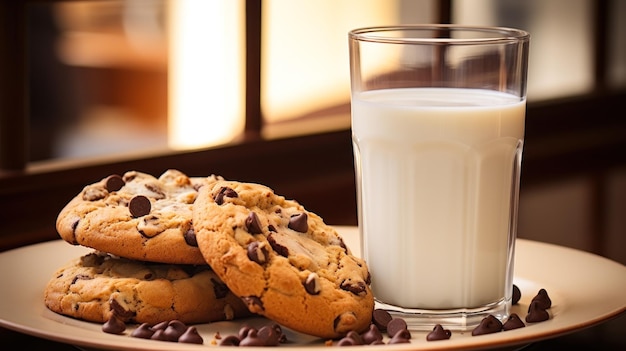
[206, 72]
[305, 64]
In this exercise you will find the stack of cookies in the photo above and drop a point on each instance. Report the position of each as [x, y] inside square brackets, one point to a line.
[204, 249]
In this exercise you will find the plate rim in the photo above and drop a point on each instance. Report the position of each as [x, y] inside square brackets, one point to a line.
[513, 337]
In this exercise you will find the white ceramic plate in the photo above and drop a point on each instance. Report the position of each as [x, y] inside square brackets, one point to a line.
[585, 290]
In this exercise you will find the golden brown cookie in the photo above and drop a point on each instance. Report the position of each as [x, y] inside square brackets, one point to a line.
[282, 260]
[136, 216]
[97, 285]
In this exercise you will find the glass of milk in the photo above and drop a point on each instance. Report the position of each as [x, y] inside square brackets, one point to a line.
[438, 129]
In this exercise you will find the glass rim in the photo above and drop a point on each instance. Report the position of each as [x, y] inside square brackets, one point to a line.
[499, 35]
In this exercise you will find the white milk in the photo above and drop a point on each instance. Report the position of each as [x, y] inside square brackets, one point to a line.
[436, 192]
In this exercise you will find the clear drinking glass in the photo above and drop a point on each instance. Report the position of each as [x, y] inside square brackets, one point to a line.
[438, 128]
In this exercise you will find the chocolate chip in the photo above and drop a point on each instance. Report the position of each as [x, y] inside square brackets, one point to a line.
[253, 224]
[372, 335]
[488, 325]
[536, 313]
[190, 237]
[278, 248]
[252, 339]
[114, 325]
[160, 326]
[243, 331]
[254, 303]
[120, 311]
[395, 326]
[230, 340]
[159, 334]
[351, 339]
[299, 222]
[271, 334]
[191, 336]
[381, 319]
[139, 206]
[354, 287]
[312, 284]
[517, 294]
[438, 333]
[174, 330]
[219, 289]
[513, 322]
[257, 252]
[144, 331]
[156, 190]
[224, 192]
[114, 183]
[543, 299]
[401, 337]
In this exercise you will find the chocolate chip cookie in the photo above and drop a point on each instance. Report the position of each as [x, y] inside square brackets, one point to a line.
[282, 260]
[97, 285]
[136, 216]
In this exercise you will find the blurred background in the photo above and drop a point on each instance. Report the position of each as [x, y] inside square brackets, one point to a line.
[109, 79]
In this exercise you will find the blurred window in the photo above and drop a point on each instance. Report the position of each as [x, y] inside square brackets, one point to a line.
[109, 78]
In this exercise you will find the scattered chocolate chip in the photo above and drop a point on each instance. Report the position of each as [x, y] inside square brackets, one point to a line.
[272, 334]
[278, 248]
[372, 335]
[438, 333]
[257, 252]
[351, 339]
[381, 319]
[219, 289]
[190, 237]
[513, 322]
[159, 335]
[401, 337]
[224, 192]
[139, 206]
[252, 339]
[517, 294]
[536, 313]
[161, 325]
[271, 228]
[114, 183]
[299, 222]
[144, 331]
[243, 331]
[230, 340]
[174, 331]
[488, 325]
[253, 224]
[543, 299]
[114, 325]
[191, 336]
[312, 285]
[395, 326]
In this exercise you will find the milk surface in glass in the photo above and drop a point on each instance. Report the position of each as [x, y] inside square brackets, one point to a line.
[436, 168]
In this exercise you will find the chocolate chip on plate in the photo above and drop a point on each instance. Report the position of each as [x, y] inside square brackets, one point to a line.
[438, 333]
[381, 319]
[513, 322]
[536, 313]
[488, 325]
[543, 299]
